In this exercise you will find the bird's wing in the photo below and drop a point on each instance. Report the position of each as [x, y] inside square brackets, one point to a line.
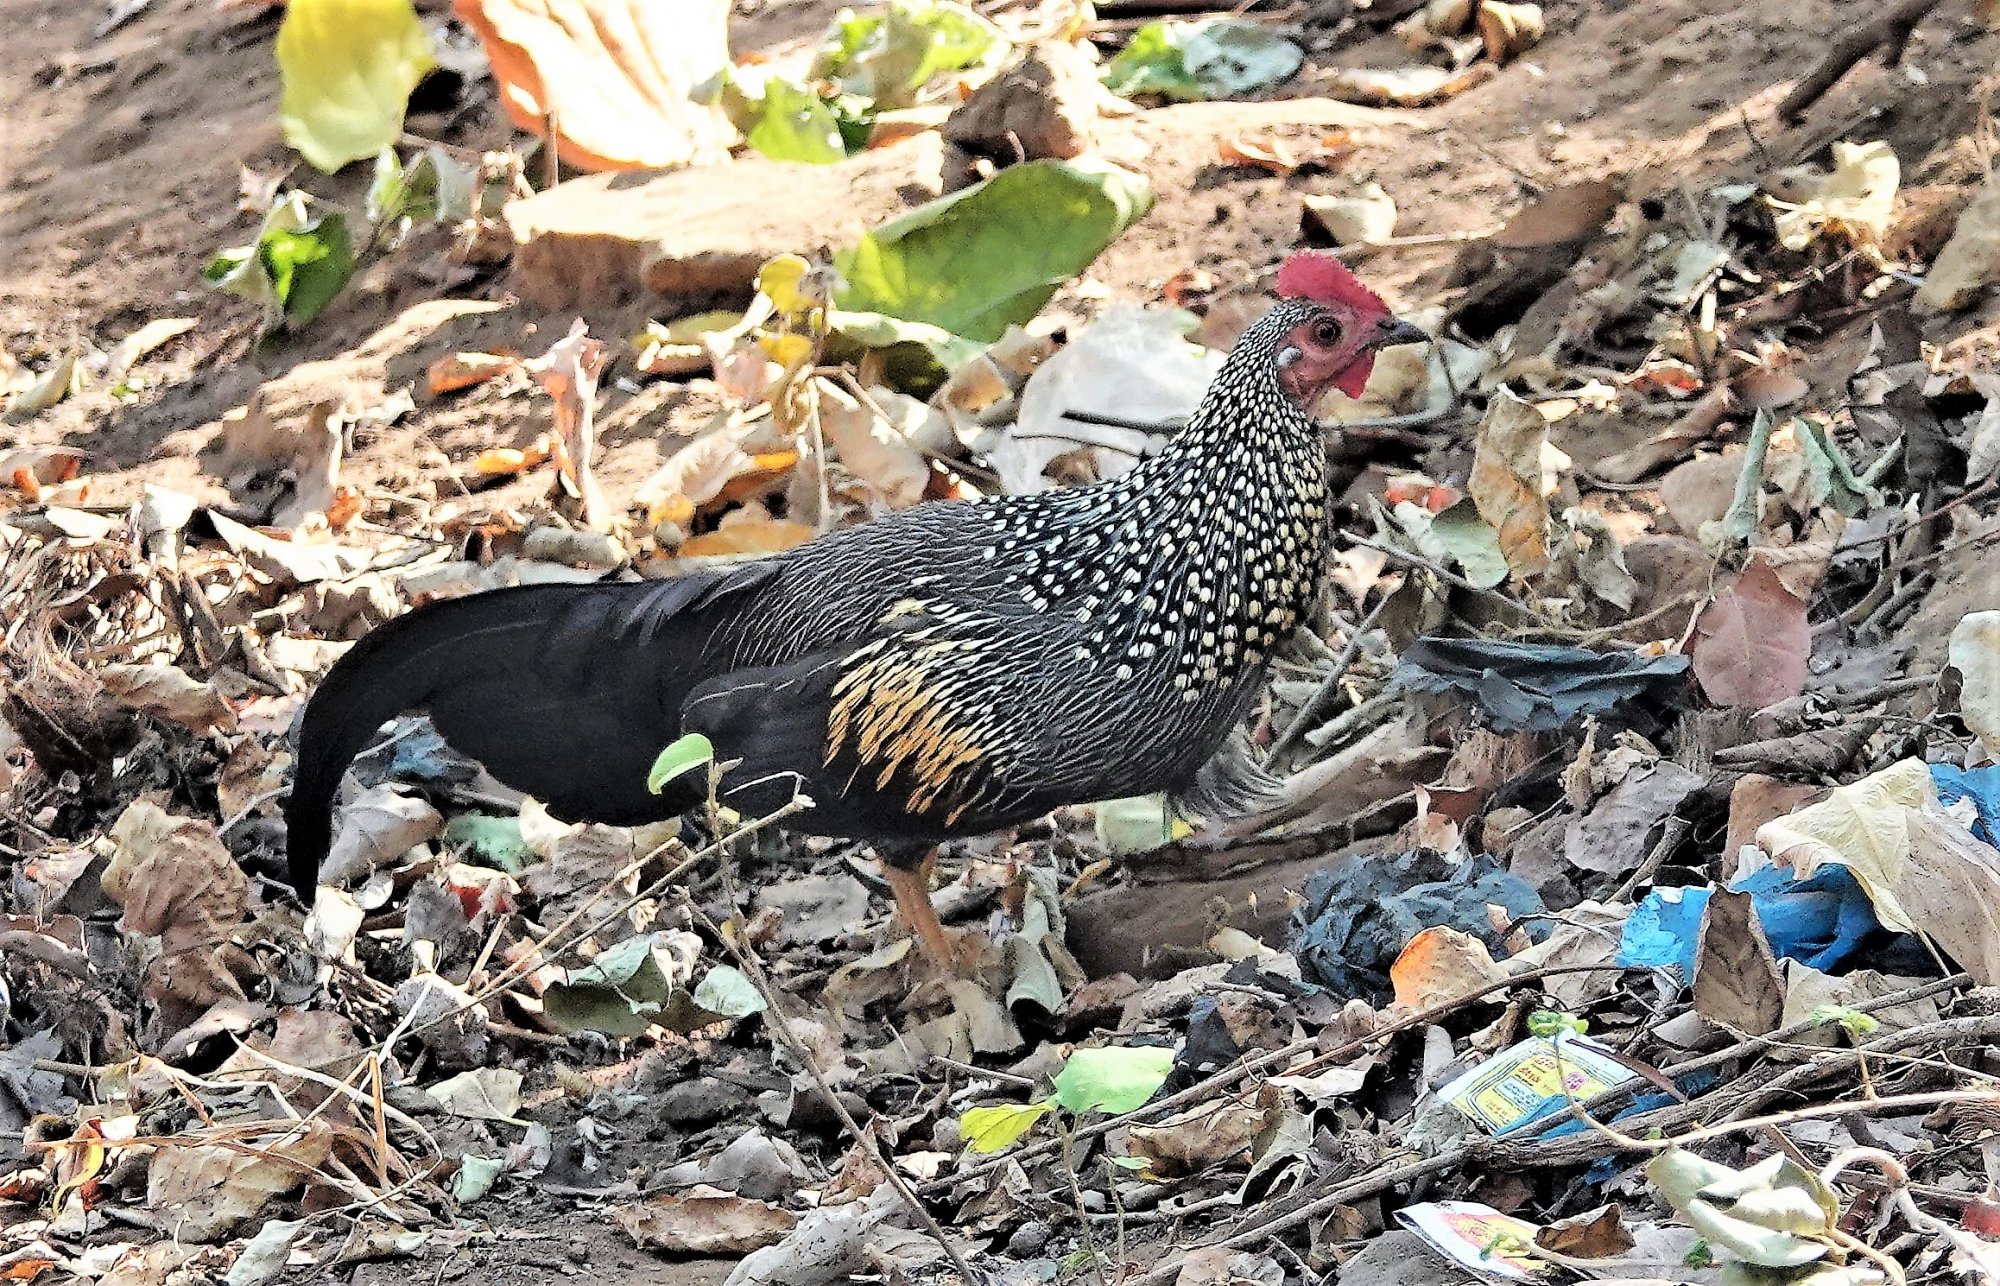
[566, 692]
[903, 732]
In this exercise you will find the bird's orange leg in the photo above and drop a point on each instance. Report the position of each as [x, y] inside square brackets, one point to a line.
[912, 888]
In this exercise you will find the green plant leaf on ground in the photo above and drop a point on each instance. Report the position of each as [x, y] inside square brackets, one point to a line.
[619, 993]
[780, 118]
[989, 1129]
[889, 57]
[978, 261]
[348, 68]
[1197, 60]
[298, 263]
[727, 992]
[680, 757]
[1471, 542]
[1112, 1079]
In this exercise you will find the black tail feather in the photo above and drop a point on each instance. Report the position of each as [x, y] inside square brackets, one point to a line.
[563, 691]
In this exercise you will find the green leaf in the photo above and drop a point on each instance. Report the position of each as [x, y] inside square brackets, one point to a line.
[298, 263]
[619, 993]
[495, 841]
[1471, 542]
[781, 118]
[1195, 60]
[1112, 1079]
[476, 1177]
[432, 186]
[1139, 824]
[977, 261]
[989, 1129]
[1547, 1023]
[1856, 1024]
[727, 993]
[889, 58]
[348, 68]
[682, 757]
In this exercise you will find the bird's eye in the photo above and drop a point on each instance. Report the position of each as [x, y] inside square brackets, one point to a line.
[1326, 332]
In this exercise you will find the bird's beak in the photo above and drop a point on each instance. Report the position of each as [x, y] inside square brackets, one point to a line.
[1397, 331]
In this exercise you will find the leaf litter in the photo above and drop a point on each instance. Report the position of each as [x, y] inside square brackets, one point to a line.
[1555, 907]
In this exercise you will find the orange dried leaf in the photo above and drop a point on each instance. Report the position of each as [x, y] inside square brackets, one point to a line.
[758, 536]
[456, 371]
[614, 76]
[1440, 965]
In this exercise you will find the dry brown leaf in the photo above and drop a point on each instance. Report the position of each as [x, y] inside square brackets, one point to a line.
[283, 474]
[1950, 887]
[1560, 216]
[696, 474]
[211, 1190]
[1190, 1142]
[171, 693]
[568, 373]
[704, 1221]
[1736, 978]
[494, 461]
[614, 77]
[376, 829]
[876, 451]
[1594, 1234]
[1506, 481]
[1753, 641]
[176, 882]
[1974, 652]
[127, 352]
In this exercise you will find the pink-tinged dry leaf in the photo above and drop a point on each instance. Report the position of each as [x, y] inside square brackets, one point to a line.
[1440, 965]
[1753, 642]
[568, 373]
[616, 76]
[1506, 482]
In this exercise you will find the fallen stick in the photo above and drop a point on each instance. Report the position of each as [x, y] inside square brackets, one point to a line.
[1890, 33]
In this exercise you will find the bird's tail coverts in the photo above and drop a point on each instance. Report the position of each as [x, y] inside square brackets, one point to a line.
[553, 687]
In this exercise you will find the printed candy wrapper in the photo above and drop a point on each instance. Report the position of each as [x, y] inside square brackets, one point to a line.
[1479, 1237]
[1520, 1085]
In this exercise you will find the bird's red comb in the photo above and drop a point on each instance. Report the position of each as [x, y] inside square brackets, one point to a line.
[1315, 275]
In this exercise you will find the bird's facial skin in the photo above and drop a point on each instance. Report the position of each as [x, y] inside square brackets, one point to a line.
[1335, 348]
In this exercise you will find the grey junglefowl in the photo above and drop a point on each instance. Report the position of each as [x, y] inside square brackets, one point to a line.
[950, 669]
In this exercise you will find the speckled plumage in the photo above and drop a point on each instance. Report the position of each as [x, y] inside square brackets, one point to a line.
[948, 669]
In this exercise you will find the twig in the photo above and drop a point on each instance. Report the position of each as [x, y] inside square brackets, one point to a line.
[1314, 705]
[781, 1029]
[1890, 33]
[1449, 577]
[1251, 1064]
[1672, 832]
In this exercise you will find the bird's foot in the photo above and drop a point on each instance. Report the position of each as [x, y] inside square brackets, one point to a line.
[912, 890]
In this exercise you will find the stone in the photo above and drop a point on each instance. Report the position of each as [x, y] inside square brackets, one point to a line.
[1045, 103]
[702, 232]
[698, 1102]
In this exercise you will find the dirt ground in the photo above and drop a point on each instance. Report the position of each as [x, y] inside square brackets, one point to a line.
[125, 157]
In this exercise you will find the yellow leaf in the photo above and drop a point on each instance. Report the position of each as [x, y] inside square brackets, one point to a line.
[779, 281]
[348, 68]
[788, 351]
[989, 1129]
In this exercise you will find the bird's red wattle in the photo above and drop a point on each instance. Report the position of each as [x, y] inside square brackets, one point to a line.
[1355, 378]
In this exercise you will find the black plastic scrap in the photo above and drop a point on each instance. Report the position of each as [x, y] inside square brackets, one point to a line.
[1360, 914]
[1532, 687]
